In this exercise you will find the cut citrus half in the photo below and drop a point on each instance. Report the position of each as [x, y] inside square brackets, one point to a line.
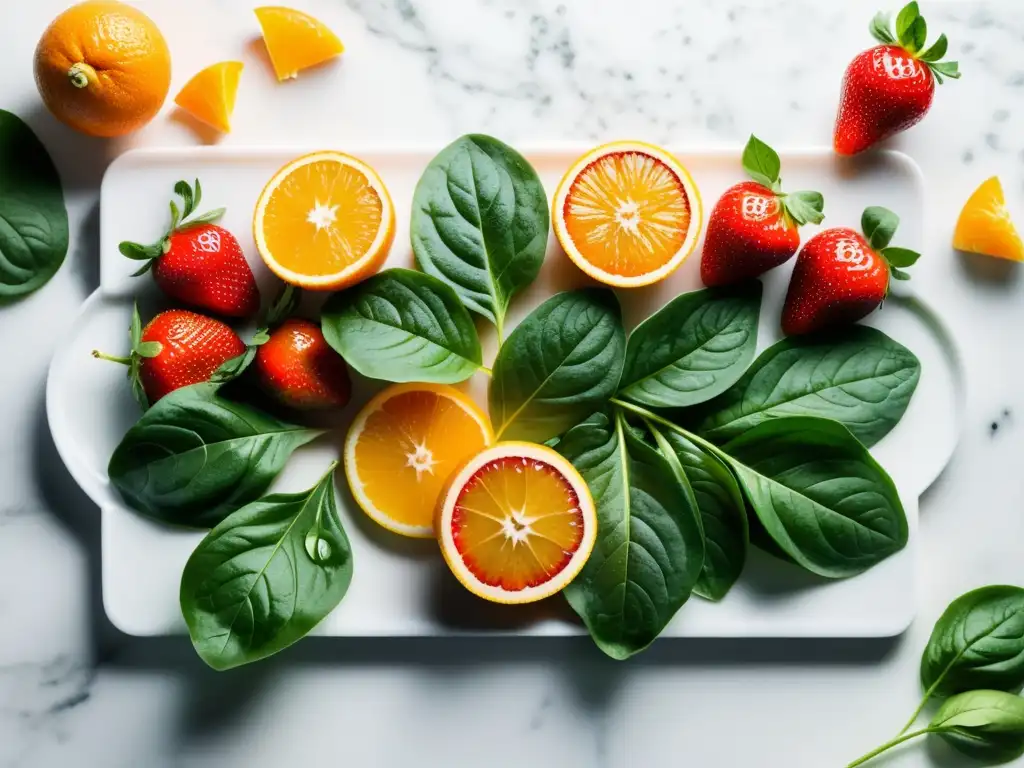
[516, 523]
[295, 40]
[985, 225]
[325, 221]
[627, 214]
[210, 95]
[402, 447]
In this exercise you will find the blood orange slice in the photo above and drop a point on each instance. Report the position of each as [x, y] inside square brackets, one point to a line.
[516, 523]
[627, 213]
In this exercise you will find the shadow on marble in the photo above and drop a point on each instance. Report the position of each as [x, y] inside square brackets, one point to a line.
[987, 272]
[81, 160]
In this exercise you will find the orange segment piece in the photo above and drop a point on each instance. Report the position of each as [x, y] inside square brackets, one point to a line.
[324, 221]
[295, 40]
[403, 446]
[985, 225]
[210, 95]
[628, 214]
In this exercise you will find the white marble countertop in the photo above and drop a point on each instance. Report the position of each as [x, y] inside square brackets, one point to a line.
[73, 691]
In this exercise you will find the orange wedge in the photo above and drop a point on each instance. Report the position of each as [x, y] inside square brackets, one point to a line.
[516, 523]
[210, 95]
[627, 213]
[402, 447]
[295, 40]
[985, 225]
[324, 221]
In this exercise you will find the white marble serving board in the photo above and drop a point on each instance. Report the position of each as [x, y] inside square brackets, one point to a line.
[402, 587]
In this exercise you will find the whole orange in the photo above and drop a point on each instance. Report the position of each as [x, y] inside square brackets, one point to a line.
[103, 68]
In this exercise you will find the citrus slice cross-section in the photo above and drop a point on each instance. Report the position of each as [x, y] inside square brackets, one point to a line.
[403, 446]
[324, 221]
[516, 523]
[295, 40]
[210, 95]
[985, 225]
[627, 214]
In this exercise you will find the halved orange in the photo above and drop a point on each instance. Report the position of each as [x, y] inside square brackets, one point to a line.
[403, 446]
[210, 95]
[324, 221]
[627, 213]
[985, 225]
[295, 40]
[516, 523]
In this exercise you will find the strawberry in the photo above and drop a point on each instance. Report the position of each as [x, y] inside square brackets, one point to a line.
[754, 226]
[197, 262]
[298, 368]
[841, 276]
[177, 348]
[889, 88]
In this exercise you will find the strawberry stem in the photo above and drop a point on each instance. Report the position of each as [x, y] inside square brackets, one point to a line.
[111, 358]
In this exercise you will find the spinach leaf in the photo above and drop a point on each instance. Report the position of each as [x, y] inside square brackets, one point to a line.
[649, 549]
[480, 223]
[693, 349]
[402, 325]
[858, 377]
[977, 643]
[560, 364]
[985, 725]
[33, 219]
[266, 576]
[819, 494]
[195, 457]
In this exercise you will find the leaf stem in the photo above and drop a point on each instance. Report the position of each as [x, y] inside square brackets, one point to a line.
[485, 369]
[651, 416]
[887, 746]
[921, 706]
[111, 358]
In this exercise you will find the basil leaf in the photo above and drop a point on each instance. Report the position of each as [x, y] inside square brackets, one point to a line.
[480, 223]
[977, 643]
[722, 513]
[196, 457]
[937, 51]
[559, 365]
[402, 325]
[649, 548]
[879, 225]
[905, 19]
[33, 219]
[805, 207]
[819, 494]
[692, 349]
[858, 377]
[266, 576]
[761, 162]
[900, 257]
[985, 725]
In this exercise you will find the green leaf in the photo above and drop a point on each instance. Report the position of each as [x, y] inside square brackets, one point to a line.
[206, 218]
[761, 162]
[937, 51]
[649, 548]
[722, 513]
[805, 207]
[900, 257]
[135, 327]
[149, 349]
[480, 223]
[175, 216]
[195, 457]
[33, 219]
[881, 28]
[879, 225]
[857, 376]
[560, 364]
[184, 191]
[977, 643]
[949, 69]
[984, 725]
[905, 19]
[283, 307]
[917, 35]
[898, 274]
[402, 325]
[266, 576]
[693, 348]
[140, 252]
[231, 369]
[819, 494]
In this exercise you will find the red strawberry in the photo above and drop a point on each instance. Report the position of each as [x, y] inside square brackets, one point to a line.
[841, 276]
[889, 88]
[198, 262]
[297, 367]
[754, 227]
[176, 349]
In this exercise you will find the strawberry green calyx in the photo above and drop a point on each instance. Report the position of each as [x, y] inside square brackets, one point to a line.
[181, 219]
[763, 165]
[912, 35]
[284, 306]
[140, 350]
[879, 226]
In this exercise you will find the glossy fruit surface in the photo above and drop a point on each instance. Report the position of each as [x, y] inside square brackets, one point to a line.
[985, 225]
[295, 40]
[298, 368]
[210, 95]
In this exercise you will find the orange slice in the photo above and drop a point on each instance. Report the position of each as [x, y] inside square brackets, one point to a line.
[627, 213]
[516, 523]
[210, 95]
[402, 447]
[295, 40]
[985, 225]
[324, 221]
